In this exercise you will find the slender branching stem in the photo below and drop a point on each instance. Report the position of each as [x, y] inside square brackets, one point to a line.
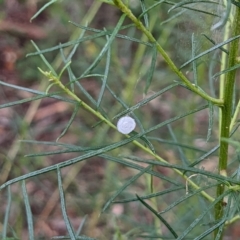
[168, 60]
[55, 79]
[227, 110]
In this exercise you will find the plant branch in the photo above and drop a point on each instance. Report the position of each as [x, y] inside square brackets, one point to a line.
[227, 113]
[55, 79]
[173, 67]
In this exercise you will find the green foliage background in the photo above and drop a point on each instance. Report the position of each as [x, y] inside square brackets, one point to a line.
[67, 172]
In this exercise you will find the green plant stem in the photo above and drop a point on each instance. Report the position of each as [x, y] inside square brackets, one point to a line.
[56, 80]
[224, 57]
[227, 113]
[173, 67]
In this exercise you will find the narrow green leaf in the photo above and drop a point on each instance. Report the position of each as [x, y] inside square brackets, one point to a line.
[110, 32]
[187, 196]
[10, 104]
[150, 8]
[39, 93]
[211, 151]
[151, 69]
[79, 237]
[49, 66]
[210, 230]
[7, 213]
[200, 159]
[148, 143]
[73, 51]
[42, 9]
[75, 111]
[158, 216]
[28, 211]
[145, 140]
[211, 69]
[200, 217]
[121, 189]
[152, 195]
[184, 160]
[67, 64]
[226, 70]
[195, 77]
[224, 18]
[210, 50]
[219, 225]
[195, 9]
[106, 46]
[73, 79]
[174, 16]
[145, 101]
[210, 124]
[67, 44]
[172, 143]
[63, 206]
[83, 220]
[145, 15]
[214, 43]
[104, 81]
[221, 178]
[138, 167]
[186, 2]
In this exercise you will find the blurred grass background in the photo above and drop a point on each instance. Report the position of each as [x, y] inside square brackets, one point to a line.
[89, 184]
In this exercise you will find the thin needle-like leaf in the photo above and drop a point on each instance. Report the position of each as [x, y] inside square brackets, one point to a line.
[75, 111]
[158, 216]
[195, 9]
[187, 196]
[150, 8]
[7, 212]
[28, 211]
[10, 104]
[151, 69]
[224, 18]
[214, 43]
[195, 77]
[186, 2]
[145, 15]
[226, 70]
[152, 195]
[106, 47]
[73, 79]
[104, 82]
[118, 35]
[185, 162]
[211, 151]
[172, 143]
[145, 101]
[49, 66]
[210, 50]
[120, 190]
[186, 169]
[42, 9]
[210, 125]
[39, 93]
[200, 217]
[83, 220]
[210, 230]
[63, 206]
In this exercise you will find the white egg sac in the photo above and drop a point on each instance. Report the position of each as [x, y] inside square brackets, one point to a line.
[126, 125]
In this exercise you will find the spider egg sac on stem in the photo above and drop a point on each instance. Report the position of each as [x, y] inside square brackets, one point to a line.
[126, 125]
